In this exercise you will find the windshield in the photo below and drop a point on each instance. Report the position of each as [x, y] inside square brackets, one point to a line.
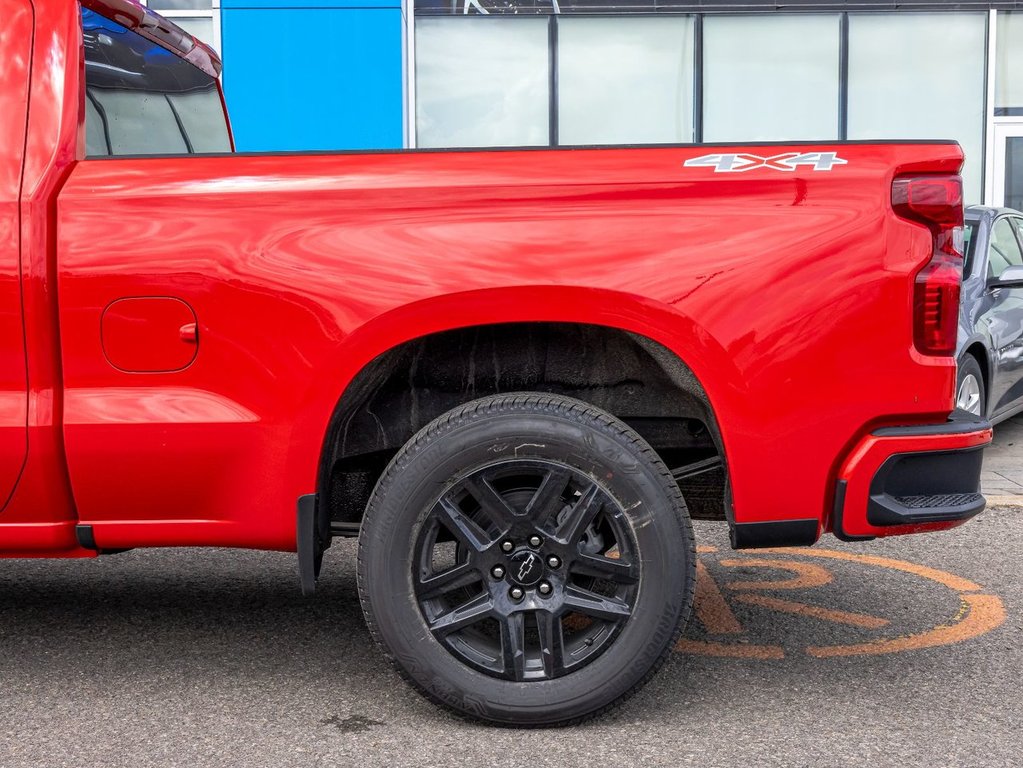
[142, 99]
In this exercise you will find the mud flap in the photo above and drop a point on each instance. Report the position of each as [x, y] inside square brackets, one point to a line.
[313, 538]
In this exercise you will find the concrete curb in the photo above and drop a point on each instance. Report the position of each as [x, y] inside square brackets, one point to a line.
[1004, 501]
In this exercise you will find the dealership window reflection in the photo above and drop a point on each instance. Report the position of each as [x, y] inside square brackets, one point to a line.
[771, 78]
[482, 82]
[625, 80]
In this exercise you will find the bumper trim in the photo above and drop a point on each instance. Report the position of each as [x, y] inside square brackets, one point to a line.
[959, 423]
[890, 469]
[836, 515]
[927, 487]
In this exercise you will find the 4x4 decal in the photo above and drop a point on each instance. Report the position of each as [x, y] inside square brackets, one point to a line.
[787, 161]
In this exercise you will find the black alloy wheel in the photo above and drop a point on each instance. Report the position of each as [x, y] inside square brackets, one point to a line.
[526, 569]
[527, 560]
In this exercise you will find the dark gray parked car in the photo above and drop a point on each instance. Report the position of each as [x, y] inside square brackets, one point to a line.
[991, 314]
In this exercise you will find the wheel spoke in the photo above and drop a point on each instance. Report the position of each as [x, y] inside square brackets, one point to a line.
[547, 500]
[447, 581]
[552, 643]
[969, 395]
[579, 517]
[501, 618]
[597, 606]
[462, 526]
[513, 645]
[608, 568]
[465, 615]
[491, 502]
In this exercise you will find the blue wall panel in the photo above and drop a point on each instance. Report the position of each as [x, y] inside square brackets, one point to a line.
[311, 77]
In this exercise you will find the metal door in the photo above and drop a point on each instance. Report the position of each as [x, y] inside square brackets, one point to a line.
[15, 48]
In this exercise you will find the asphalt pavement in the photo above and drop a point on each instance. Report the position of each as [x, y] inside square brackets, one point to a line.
[903, 652]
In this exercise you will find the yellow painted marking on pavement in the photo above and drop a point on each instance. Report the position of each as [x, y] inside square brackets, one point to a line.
[814, 612]
[978, 614]
[986, 612]
[809, 575]
[942, 577]
[711, 608]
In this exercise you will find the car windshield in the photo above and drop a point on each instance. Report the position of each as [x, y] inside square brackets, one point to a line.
[968, 229]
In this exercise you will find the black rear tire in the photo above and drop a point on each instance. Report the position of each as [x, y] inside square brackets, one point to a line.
[570, 563]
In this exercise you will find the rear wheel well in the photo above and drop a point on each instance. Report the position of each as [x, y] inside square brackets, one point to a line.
[632, 377]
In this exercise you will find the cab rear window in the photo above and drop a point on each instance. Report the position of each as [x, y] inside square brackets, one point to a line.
[142, 99]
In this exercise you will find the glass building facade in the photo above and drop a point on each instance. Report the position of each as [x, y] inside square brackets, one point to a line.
[642, 74]
[364, 74]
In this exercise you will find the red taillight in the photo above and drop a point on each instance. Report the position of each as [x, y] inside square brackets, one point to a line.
[937, 203]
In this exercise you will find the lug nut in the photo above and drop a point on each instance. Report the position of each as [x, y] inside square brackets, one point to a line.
[507, 546]
[553, 562]
[497, 572]
[535, 541]
[544, 588]
[516, 593]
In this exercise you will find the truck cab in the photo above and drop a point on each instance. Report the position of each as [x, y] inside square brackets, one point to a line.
[148, 89]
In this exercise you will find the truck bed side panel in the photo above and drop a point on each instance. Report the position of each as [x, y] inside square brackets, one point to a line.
[788, 293]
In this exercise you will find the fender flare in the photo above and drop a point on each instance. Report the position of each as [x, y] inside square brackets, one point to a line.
[660, 323]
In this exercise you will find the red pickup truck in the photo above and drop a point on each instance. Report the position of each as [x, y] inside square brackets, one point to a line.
[515, 375]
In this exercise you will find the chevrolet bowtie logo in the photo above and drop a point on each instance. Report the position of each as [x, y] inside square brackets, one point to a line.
[526, 568]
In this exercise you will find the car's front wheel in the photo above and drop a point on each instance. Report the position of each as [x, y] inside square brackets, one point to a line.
[527, 560]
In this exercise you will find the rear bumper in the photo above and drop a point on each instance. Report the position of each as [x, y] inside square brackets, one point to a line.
[911, 479]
